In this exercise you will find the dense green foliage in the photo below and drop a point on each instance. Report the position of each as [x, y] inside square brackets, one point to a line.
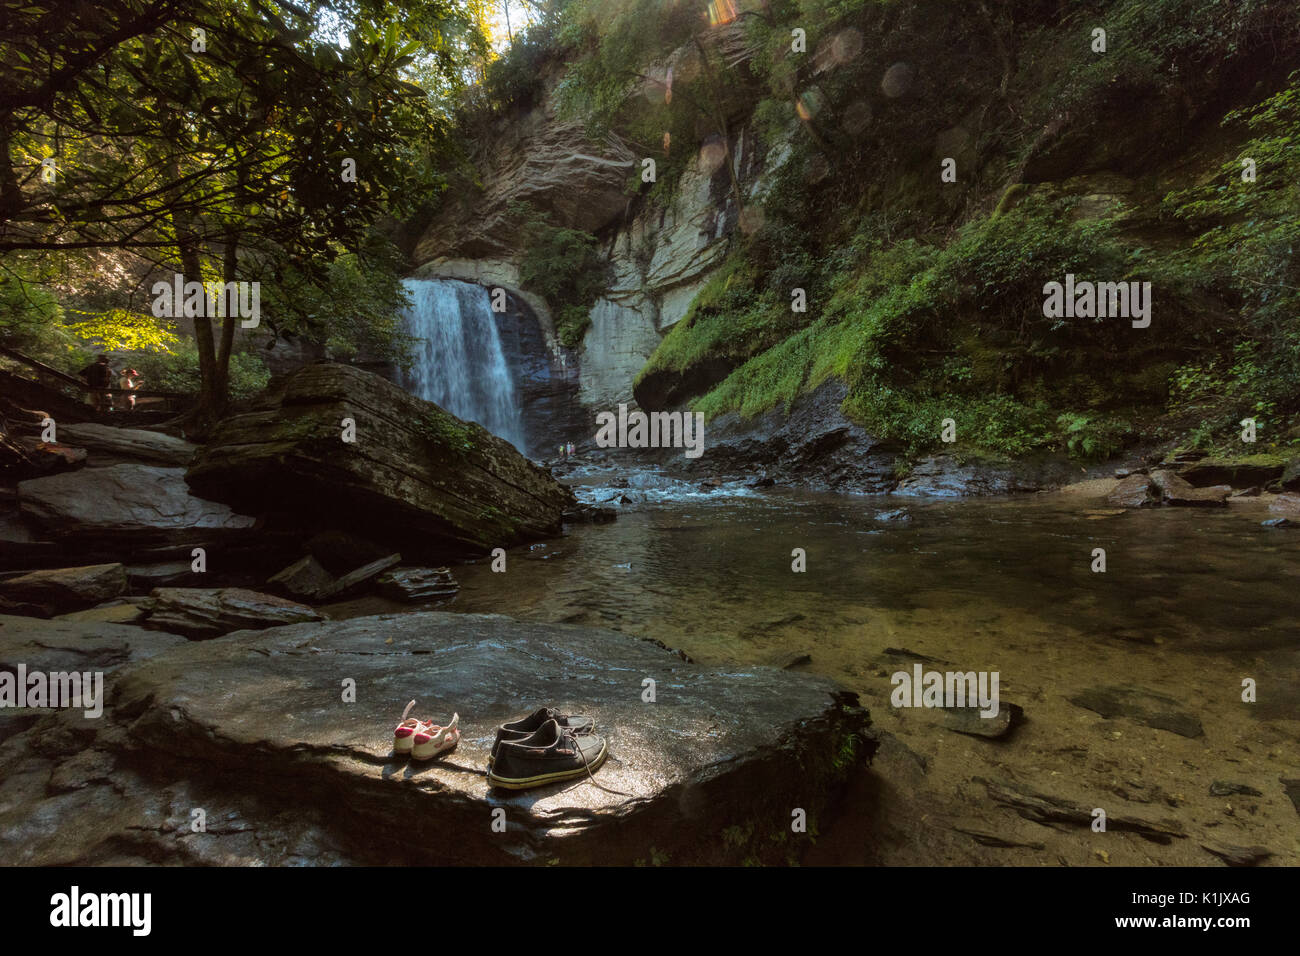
[230, 140]
[926, 298]
[565, 267]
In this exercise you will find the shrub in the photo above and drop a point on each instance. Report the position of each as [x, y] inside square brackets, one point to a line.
[565, 267]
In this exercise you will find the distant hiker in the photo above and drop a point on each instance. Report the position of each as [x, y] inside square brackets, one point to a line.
[568, 452]
[99, 376]
[561, 451]
[129, 382]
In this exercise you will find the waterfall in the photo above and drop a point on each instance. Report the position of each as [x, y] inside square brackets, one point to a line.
[459, 363]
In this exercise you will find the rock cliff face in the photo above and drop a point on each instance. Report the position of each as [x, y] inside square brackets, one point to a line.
[659, 258]
[542, 160]
[660, 261]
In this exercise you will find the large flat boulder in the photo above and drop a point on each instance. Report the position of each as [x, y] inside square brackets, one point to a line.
[107, 445]
[45, 593]
[739, 749]
[132, 504]
[415, 477]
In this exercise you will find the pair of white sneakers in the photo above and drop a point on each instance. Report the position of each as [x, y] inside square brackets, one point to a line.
[423, 739]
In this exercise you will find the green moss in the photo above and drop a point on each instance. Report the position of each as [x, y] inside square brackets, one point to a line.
[926, 301]
[499, 520]
[727, 318]
[446, 432]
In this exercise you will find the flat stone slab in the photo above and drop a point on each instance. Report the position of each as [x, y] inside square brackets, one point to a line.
[418, 584]
[128, 503]
[716, 749]
[47, 592]
[201, 613]
[108, 445]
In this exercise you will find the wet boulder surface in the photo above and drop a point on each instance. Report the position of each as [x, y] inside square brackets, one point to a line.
[712, 770]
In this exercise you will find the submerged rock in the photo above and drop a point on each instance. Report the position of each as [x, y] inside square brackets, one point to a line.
[200, 613]
[1238, 855]
[589, 514]
[44, 593]
[1137, 703]
[1221, 788]
[1047, 808]
[416, 477]
[735, 749]
[972, 722]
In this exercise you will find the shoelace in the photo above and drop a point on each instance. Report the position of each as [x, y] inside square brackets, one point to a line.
[587, 767]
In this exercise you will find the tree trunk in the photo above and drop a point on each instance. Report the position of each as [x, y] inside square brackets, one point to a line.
[208, 408]
[221, 372]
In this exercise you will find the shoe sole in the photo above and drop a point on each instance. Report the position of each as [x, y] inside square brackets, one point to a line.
[525, 783]
[436, 753]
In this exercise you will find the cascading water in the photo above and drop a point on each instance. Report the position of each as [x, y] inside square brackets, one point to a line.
[459, 362]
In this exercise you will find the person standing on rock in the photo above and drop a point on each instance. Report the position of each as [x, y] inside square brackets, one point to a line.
[99, 376]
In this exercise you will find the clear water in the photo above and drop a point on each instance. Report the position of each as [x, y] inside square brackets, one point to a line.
[459, 362]
[1191, 602]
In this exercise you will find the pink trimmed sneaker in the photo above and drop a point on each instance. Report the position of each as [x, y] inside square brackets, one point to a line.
[431, 740]
[404, 732]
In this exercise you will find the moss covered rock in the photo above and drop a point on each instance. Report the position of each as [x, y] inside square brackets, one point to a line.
[415, 476]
